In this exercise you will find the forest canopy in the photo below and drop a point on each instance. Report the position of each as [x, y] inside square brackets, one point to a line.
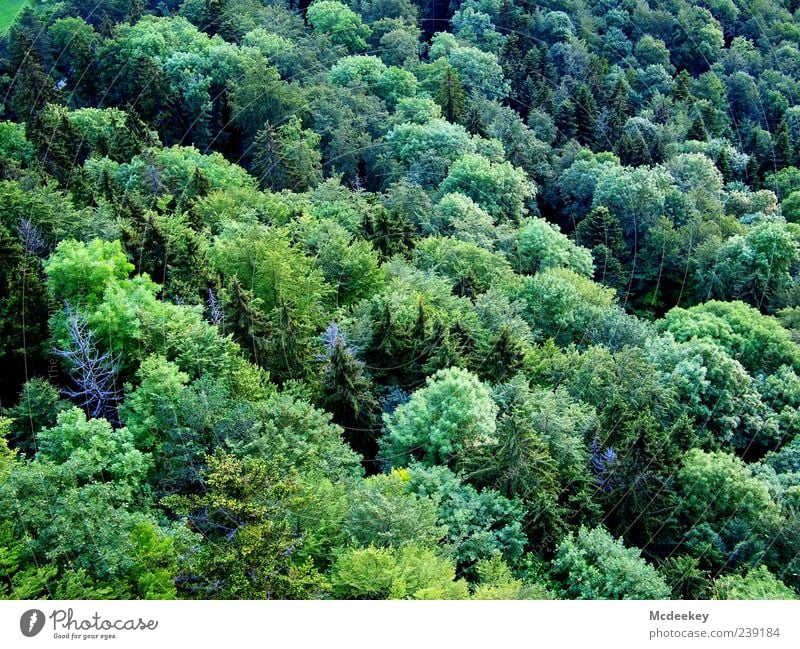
[392, 299]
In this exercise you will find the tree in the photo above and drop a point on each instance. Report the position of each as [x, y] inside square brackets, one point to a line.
[641, 143]
[348, 263]
[499, 188]
[349, 393]
[93, 371]
[79, 273]
[409, 572]
[453, 412]
[471, 269]
[479, 71]
[459, 216]
[541, 246]
[717, 486]
[601, 233]
[758, 341]
[538, 456]
[259, 96]
[37, 408]
[151, 409]
[593, 565]
[291, 291]
[638, 196]
[384, 513]
[757, 583]
[586, 113]
[339, 22]
[81, 525]
[245, 515]
[93, 450]
[286, 157]
[698, 40]
[479, 525]
[288, 432]
[451, 96]
[563, 304]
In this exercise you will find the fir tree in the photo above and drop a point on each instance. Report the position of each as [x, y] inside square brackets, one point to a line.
[782, 146]
[682, 89]
[697, 130]
[619, 108]
[585, 114]
[349, 393]
[451, 96]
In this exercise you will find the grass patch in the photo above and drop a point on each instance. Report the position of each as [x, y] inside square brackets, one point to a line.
[8, 12]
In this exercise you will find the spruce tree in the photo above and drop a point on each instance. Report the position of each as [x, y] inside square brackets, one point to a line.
[619, 109]
[782, 146]
[682, 89]
[451, 96]
[697, 130]
[585, 114]
[349, 394]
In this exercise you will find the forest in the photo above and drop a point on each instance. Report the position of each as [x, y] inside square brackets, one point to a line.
[400, 299]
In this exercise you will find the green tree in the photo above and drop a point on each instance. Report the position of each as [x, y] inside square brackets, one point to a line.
[453, 412]
[339, 22]
[384, 513]
[287, 157]
[409, 572]
[541, 246]
[292, 293]
[499, 188]
[594, 565]
[349, 392]
[757, 583]
[249, 546]
[450, 96]
[758, 341]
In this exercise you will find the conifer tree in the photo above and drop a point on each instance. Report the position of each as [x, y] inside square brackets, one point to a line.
[585, 114]
[697, 130]
[349, 394]
[451, 96]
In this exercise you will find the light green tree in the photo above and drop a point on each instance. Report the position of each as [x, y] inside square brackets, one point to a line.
[339, 22]
[452, 413]
[594, 565]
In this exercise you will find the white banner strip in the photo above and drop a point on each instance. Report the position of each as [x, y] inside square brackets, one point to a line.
[405, 625]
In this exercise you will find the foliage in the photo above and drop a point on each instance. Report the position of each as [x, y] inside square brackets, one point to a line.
[758, 583]
[452, 413]
[407, 573]
[386, 298]
[594, 565]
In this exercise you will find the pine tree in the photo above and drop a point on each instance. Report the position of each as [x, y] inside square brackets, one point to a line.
[602, 233]
[724, 164]
[585, 114]
[451, 96]
[782, 146]
[619, 108]
[505, 358]
[515, 70]
[390, 232]
[267, 156]
[286, 157]
[474, 122]
[245, 319]
[565, 120]
[349, 394]
[682, 89]
[697, 130]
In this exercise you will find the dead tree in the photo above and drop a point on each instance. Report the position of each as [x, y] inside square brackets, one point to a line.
[93, 372]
